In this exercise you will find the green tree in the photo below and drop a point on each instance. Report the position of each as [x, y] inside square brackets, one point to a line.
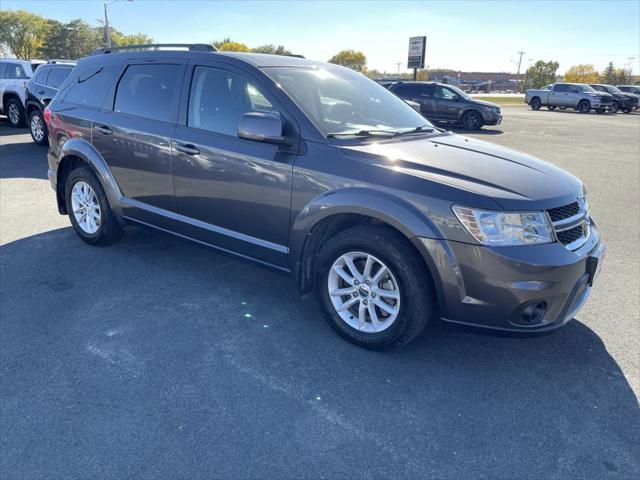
[540, 74]
[272, 49]
[71, 40]
[22, 32]
[608, 75]
[583, 73]
[119, 39]
[350, 58]
[228, 45]
[623, 76]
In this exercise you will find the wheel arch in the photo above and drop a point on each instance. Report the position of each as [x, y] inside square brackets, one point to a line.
[334, 212]
[77, 152]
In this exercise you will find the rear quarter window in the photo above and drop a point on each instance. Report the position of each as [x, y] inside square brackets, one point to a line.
[89, 87]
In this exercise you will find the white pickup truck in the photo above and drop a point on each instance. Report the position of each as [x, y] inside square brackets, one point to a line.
[14, 75]
[578, 96]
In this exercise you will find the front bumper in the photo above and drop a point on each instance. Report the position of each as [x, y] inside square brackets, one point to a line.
[495, 288]
[490, 118]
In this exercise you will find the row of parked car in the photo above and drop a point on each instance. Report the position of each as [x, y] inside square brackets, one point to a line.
[26, 88]
[584, 98]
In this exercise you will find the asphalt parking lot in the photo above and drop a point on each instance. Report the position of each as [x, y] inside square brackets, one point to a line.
[158, 358]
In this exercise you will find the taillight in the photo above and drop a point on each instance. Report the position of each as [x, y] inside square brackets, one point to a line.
[47, 115]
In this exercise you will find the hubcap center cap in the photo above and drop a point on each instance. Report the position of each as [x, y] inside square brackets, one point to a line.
[364, 291]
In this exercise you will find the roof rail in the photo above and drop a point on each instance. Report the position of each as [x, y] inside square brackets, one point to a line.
[60, 60]
[193, 47]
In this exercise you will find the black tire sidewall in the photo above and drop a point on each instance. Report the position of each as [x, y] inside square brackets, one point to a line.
[536, 104]
[20, 109]
[581, 109]
[472, 114]
[45, 139]
[412, 282]
[84, 174]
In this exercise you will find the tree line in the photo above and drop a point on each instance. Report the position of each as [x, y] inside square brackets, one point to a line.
[29, 35]
[543, 73]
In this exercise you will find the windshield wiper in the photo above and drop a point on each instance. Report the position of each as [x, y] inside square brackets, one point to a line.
[365, 133]
[420, 129]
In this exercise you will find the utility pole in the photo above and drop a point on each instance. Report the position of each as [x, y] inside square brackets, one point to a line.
[107, 33]
[398, 64]
[520, 61]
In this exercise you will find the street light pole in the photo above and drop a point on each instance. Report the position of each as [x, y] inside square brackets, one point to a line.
[107, 33]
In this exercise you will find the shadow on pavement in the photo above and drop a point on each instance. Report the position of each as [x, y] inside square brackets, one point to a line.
[17, 159]
[159, 356]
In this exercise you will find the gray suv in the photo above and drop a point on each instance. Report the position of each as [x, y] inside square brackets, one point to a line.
[314, 170]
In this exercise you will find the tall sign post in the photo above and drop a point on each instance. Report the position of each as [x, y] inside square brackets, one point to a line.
[415, 60]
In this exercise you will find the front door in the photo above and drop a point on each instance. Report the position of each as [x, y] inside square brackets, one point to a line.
[231, 192]
[446, 103]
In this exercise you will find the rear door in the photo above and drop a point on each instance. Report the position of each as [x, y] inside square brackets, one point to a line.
[560, 95]
[232, 192]
[133, 133]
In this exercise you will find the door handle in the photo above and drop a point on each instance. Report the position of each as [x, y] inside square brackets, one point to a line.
[41, 92]
[187, 148]
[103, 129]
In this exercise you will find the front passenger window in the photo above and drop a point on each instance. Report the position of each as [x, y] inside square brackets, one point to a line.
[218, 98]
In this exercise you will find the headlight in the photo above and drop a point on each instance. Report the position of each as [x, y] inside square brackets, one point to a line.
[501, 229]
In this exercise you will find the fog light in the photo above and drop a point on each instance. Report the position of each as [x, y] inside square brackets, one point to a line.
[534, 313]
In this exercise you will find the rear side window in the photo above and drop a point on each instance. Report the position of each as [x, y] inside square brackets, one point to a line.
[147, 91]
[15, 70]
[57, 76]
[561, 88]
[90, 86]
[41, 76]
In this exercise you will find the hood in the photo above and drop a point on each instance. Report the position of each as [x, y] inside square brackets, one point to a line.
[483, 103]
[515, 180]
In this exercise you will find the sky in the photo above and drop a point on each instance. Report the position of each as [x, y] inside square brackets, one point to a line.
[462, 35]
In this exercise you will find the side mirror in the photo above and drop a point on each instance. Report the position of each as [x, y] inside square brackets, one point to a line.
[261, 127]
[414, 105]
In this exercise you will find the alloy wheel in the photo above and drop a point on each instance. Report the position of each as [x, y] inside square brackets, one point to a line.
[364, 292]
[37, 128]
[13, 113]
[86, 208]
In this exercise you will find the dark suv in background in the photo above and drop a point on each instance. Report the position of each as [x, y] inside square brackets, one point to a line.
[626, 102]
[316, 171]
[448, 104]
[40, 90]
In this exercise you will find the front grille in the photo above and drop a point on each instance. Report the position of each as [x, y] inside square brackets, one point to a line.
[569, 236]
[606, 100]
[571, 224]
[566, 211]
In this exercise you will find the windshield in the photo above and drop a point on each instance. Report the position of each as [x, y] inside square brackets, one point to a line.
[460, 92]
[341, 101]
[612, 89]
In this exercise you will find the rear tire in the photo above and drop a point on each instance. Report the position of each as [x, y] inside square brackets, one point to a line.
[89, 210]
[15, 112]
[584, 106]
[615, 106]
[535, 103]
[552, 107]
[472, 120]
[367, 316]
[38, 128]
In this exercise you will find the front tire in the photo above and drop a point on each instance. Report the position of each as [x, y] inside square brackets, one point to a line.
[88, 209]
[472, 120]
[38, 128]
[15, 113]
[615, 106]
[584, 106]
[627, 110]
[374, 288]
